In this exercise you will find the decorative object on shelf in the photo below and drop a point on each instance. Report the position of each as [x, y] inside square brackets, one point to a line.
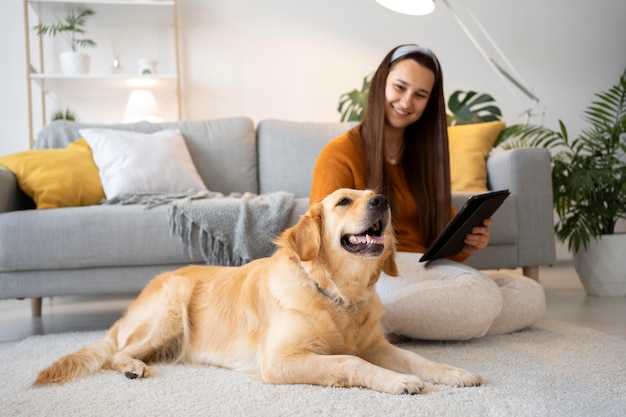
[74, 61]
[142, 106]
[64, 115]
[588, 179]
[116, 64]
[147, 66]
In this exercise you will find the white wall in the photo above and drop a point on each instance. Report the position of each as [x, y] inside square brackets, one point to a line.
[13, 104]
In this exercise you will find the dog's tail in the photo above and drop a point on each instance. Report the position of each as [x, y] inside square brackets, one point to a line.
[79, 364]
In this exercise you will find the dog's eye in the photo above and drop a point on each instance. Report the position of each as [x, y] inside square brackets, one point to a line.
[345, 201]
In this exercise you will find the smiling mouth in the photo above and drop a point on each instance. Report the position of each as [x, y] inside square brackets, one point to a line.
[367, 243]
[400, 111]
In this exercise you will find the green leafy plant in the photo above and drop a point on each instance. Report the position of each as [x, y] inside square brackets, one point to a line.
[588, 171]
[63, 115]
[352, 104]
[468, 107]
[465, 106]
[73, 25]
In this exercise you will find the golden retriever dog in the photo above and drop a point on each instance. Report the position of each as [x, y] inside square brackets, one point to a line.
[309, 314]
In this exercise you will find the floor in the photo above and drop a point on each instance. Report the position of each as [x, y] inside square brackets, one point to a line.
[566, 300]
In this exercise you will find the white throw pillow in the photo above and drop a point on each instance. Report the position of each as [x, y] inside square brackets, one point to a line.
[133, 162]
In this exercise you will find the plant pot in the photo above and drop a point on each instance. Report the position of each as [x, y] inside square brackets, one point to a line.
[73, 63]
[600, 267]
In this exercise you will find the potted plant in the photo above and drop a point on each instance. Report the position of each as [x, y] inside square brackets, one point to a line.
[589, 182]
[74, 61]
[63, 115]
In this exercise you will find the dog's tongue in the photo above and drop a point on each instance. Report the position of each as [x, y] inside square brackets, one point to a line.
[356, 239]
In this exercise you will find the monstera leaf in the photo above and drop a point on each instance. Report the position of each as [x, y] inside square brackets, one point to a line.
[352, 105]
[468, 107]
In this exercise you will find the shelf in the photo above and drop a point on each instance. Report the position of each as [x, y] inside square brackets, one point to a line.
[110, 14]
[88, 83]
[145, 28]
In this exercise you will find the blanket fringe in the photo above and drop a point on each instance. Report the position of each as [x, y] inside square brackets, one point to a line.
[212, 249]
[200, 230]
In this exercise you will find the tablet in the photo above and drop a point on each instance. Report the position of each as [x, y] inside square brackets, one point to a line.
[451, 240]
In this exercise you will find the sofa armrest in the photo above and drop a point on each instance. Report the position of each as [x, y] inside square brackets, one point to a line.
[526, 172]
[11, 195]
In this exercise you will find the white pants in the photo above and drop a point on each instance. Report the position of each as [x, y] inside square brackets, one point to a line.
[452, 301]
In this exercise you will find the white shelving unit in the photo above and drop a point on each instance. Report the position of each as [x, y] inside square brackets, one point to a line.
[134, 25]
[59, 83]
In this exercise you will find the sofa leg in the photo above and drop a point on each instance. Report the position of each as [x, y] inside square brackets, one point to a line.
[531, 272]
[35, 306]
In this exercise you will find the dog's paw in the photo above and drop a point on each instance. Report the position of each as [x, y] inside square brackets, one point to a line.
[135, 369]
[405, 384]
[458, 377]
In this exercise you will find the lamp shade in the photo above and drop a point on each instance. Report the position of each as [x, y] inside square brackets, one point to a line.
[412, 7]
[142, 106]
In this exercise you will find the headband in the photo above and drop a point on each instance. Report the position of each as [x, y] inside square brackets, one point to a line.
[409, 49]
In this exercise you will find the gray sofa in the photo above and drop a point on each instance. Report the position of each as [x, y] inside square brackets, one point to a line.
[115, 249]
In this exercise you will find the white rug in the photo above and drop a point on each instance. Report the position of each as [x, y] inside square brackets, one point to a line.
[552, 369]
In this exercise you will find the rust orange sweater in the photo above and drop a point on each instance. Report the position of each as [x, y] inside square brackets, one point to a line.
[341, 164]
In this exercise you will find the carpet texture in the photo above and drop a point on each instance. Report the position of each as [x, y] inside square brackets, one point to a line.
[551, 369]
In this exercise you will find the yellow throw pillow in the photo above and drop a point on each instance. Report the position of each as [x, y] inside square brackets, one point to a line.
[469, 147]
[57, 177]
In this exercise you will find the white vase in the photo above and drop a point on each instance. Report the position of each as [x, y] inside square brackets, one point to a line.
[73, 63]
[602, 266]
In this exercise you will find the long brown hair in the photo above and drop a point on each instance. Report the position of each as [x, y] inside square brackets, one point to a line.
[426, 159]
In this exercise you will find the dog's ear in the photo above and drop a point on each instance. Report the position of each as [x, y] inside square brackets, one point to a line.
[390, 268]
[305, 237]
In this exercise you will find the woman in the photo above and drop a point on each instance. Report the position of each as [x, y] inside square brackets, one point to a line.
[401, 150]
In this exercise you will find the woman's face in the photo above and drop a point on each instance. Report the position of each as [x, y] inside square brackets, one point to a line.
[407, 91]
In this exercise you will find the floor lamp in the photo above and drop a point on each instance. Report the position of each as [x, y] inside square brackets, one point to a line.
[424, 7]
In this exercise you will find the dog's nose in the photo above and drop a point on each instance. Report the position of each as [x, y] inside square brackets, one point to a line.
[378, 202]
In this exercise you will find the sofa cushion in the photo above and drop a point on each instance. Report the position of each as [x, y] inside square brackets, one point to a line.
[89, 237]
[288, 151]
[57, 177]
[223, 150]
[133, 162]
[469, 147]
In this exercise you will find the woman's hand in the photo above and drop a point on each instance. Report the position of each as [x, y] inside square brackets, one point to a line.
[478, 239]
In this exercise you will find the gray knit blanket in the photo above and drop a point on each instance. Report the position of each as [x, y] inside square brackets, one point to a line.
[228, 230]
[233, 229]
